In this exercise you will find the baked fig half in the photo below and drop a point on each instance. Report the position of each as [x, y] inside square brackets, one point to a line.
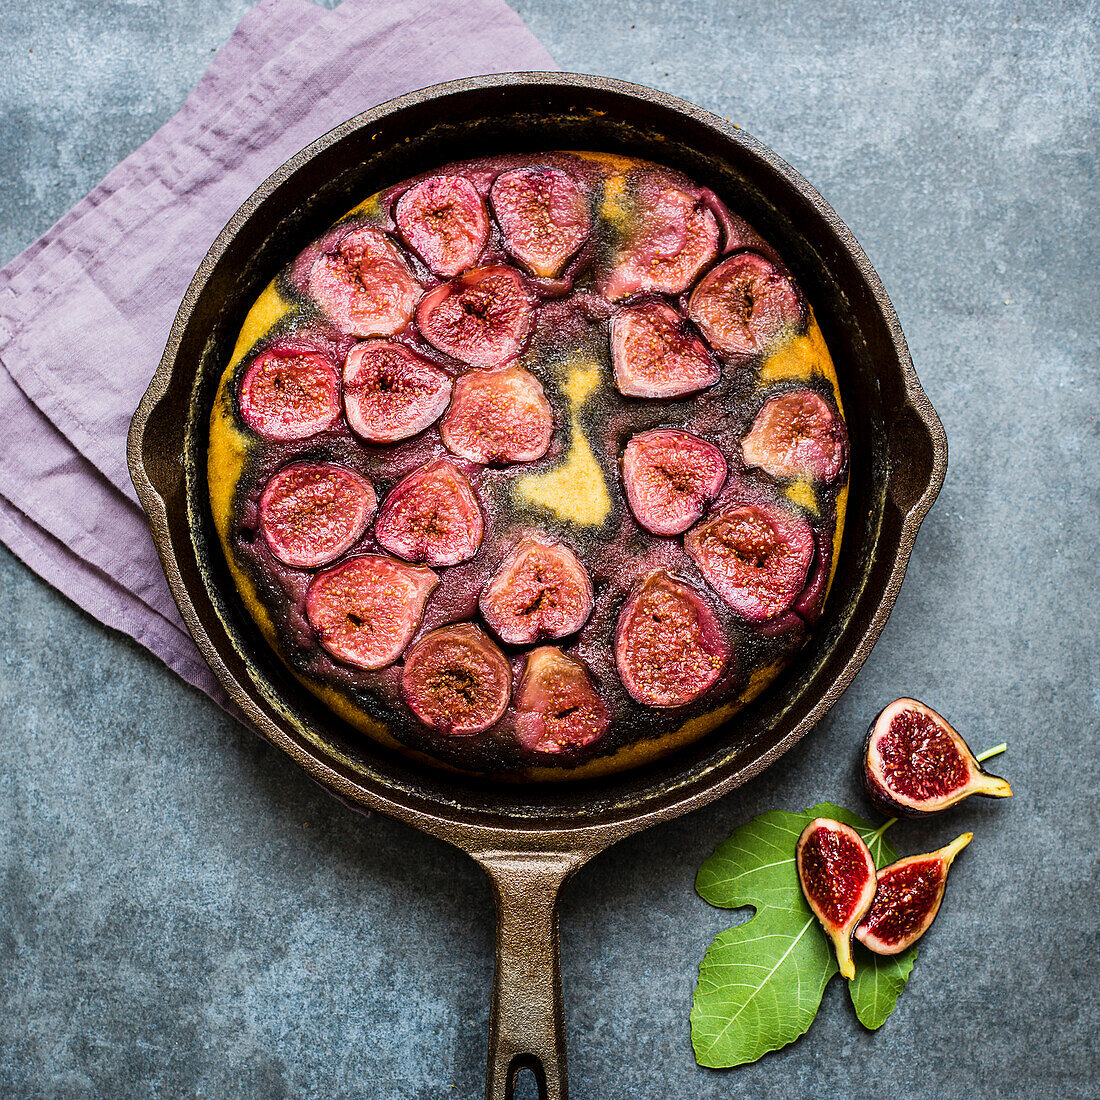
[669, 645]
[755, 556]
[669, 477]
[907, 899]
[482, 318]
[290, 392]
[543, 214]
[744, 303]
[557, 707]
[431, 515]
[541, 590]
[498, 416]
[366, 610]
[311, 512]
[915, 763]
[837, 875]
[443, 220]
[390, 392]
[363, 284]
[796, 435]
[653, 353]
[456, 680]
[675, 236]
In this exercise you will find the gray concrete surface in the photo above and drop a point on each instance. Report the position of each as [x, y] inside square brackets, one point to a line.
[184, 914]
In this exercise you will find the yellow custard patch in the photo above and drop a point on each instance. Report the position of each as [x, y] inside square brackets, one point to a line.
[802, 493]
[800, 358]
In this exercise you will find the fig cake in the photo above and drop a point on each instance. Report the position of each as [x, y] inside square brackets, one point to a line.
[534, 465]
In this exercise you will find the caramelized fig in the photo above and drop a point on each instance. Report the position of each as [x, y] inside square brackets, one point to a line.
[498, 416]
[364, 285]
[796, 435]
[311, 512]
[290, 392]
[482, 318]
[744, 303]
[837, 875]
[654, 355]
[445, 222]
[431, 515]
[391, 393]
[915, 763]
[669, 645]
[907, 899]
[540, 591]
[456, 680]
[543, 214]
[674, 238]
[669, 477]
[755, 556]
[557, 707]
[365, 610]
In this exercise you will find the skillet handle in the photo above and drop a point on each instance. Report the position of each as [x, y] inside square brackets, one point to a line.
[525, 1025]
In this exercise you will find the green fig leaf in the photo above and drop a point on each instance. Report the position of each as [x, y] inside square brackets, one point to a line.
[761, 982]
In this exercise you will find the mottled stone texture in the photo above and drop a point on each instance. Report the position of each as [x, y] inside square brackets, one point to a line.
[184, 914]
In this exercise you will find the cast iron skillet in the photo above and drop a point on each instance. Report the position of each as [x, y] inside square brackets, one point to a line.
[530, 838]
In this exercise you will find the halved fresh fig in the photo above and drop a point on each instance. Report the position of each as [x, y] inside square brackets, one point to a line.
[541, 590]
[669, 644]
[837, 875]
[431, 515]
[669, 477]
[482, 318]
[445, 222]
[556, 704]
[363, 284]
[498, 416]
[915, 763]
[674, 238]
[288, 393]
[796, 435]
[744, 303]
[311, 512]
[654, 355]
[456, 680]
[390, 392]
[543, 214]
[907, 899]
[365, 610]
[755, 556]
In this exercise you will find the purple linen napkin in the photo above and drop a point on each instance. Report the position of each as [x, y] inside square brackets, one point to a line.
[85, 311]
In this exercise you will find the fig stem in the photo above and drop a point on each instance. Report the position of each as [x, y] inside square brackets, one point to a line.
[995, 751]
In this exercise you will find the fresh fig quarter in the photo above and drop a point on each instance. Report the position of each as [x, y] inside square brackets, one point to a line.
[756, 557]
[669, 645]
[540, 591]
[482, 318]
[654, 355]
[390, 393]
[543, 214]
[498, 416]
[557, 708]
[907, 899]
[837, 875]
[744, 303]
[364, 285]
[669, 477]
[456, 680]
[915, 763]
[796, 435]
[289, 392]
[311, 512]
[445, 221]
[674, 238]
[431, 515]
[366, 610]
